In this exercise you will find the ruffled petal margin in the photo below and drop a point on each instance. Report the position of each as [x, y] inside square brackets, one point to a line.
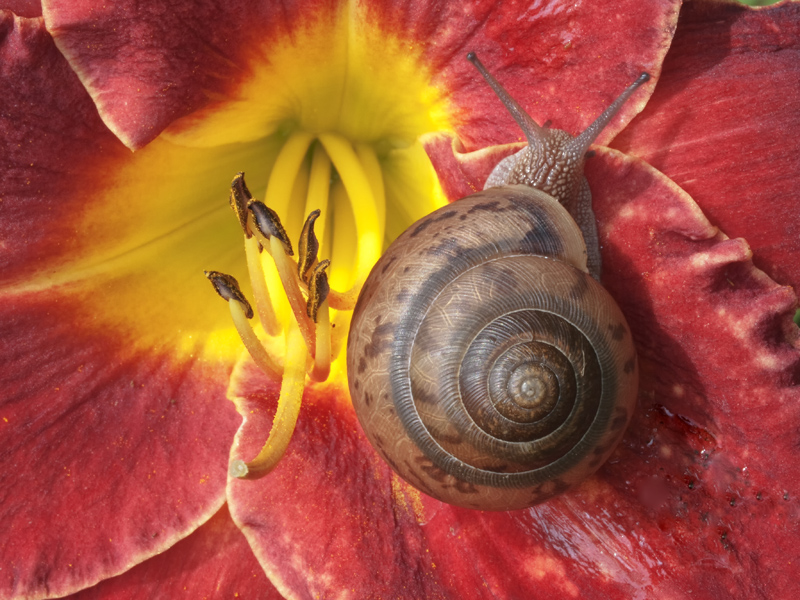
[214, 562]
[115, 427]
[693, 502]
[723, 125]
[171, 63]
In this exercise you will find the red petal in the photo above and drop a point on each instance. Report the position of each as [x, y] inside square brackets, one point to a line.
[24, 8]
[326, 518]
[48, 126]
[108, 455]
[214, 562]
[700, 499]
[146, 65]
[463, 173]
[564, 62]
[723, 125]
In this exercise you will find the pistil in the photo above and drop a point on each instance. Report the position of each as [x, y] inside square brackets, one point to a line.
[313, 339]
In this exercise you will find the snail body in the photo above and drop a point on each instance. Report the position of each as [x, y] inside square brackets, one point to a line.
[486, 364]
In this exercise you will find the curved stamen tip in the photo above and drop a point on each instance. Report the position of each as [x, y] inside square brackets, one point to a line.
[238, 469]
[239, 198]
[308, 246]
[472, 57]
[228, 289]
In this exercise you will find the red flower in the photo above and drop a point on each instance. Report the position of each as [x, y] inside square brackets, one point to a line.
[116, 359]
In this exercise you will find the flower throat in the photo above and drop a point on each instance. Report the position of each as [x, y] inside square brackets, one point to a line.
[305, 327]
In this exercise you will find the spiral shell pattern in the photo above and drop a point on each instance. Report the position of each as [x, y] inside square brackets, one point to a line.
[486, 367]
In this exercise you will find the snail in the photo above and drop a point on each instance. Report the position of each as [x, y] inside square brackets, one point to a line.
[486, 363]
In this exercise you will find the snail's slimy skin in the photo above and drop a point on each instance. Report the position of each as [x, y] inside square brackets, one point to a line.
[468, 324]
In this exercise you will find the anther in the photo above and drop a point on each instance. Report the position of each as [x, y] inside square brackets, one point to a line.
[308, 247]
[269, 224]
[239, 198]
[318, 289]
[228, 289]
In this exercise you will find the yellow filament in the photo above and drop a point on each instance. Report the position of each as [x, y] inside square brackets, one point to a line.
[261, 357]
[285, 171]
[266, 313]
[339, 328]
[322, 358]
[286, 416]
[343, 246]
[362, 200]
[372, 169]
[318, 188]
[287, 270]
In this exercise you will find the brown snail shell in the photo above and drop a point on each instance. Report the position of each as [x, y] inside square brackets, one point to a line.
[486, 365]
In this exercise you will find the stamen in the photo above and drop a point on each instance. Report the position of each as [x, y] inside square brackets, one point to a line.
[343, 244]
[266, 312]
[322, 358]
[372, 168]
[317, 289]
[285, 170]
[319, 185]
[308, 247]
[362, 201]
[318, 311]
[286, 416]
[239, 198]
[228, 289]
[273, 236]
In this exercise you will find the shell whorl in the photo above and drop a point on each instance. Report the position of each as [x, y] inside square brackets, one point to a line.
[461, 335]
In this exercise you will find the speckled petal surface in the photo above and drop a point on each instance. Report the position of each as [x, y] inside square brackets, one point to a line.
[723, 125]
[213, 562]
[114, 423]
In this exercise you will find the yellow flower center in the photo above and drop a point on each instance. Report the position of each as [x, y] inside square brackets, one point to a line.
[321, 175]
[353, 155]
[349, 102]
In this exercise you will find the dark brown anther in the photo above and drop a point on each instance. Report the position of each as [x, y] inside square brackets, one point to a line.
[318, 289]
[269, 224]
[239, 198]
[308, 247]
[228, 289]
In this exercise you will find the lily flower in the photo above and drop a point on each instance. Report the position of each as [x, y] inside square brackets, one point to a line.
[126, 391]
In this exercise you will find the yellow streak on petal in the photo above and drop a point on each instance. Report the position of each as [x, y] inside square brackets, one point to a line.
[336, 70]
